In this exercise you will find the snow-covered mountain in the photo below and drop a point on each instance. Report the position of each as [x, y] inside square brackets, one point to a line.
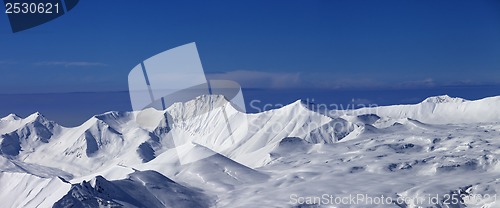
[127, 159]
[441, 110]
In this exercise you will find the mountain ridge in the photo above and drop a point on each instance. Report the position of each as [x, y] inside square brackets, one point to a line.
[113, 155]
[440, 110]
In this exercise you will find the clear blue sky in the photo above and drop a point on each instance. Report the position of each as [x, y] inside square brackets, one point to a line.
[273, 44]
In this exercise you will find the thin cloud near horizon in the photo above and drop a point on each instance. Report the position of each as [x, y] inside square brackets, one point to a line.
[71, 64]
[297, 80]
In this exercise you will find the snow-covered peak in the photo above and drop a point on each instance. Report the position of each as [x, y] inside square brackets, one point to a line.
[299, 105]
[197, 108]
[11, 117]
[35, 117]
[111, 115]
[120, 121]
[444, 99]
[305, 103]
[13, 122]
[200, 103]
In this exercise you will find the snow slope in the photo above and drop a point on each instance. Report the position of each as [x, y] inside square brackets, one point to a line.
[139, 189]
[27, 190]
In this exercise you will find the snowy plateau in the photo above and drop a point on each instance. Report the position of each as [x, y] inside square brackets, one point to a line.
[442, 152]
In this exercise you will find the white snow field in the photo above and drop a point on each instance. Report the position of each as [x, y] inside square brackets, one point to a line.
[442, 152]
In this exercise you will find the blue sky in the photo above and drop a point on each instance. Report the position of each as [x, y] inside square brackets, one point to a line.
[261, 44]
